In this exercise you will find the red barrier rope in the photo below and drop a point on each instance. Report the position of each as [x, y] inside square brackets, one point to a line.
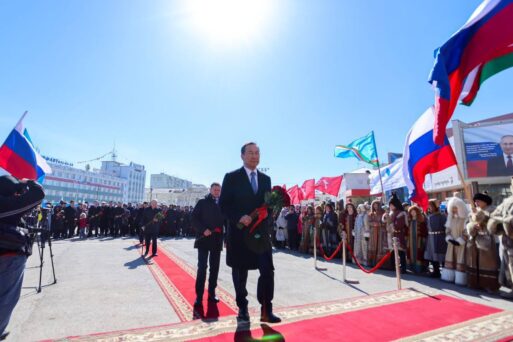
[322, 250]
[375, 268]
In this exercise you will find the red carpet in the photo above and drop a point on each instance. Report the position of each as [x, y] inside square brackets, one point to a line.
[177, 281]
[384, 323]
[406, 315]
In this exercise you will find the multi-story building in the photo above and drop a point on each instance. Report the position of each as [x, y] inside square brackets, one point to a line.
[180, 197]
[135, 174]
[164, 181]
[114, 182]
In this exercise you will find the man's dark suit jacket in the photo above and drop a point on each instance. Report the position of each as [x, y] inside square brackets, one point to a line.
[237, 199]
[497, 167]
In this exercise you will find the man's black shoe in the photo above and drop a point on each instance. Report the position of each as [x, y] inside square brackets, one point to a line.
[213, 299]
[154, 255]
[243, 315]
[4, 336]
[270, 318]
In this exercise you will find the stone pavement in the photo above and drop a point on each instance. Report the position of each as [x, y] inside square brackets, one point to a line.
[104, 285]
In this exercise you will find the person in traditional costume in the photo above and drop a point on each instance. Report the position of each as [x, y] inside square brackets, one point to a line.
[501, 223]
[417, 236]
[331, 224]
[455, 235]
[436, 246]
[316, 229]
[397, 226]
[349, 221]
[481, 254]
[378, 233]
[361, 234]
[308, 222]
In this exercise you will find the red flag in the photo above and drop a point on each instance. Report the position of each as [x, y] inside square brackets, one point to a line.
[308, 189]
[329, 185]
[295, 195]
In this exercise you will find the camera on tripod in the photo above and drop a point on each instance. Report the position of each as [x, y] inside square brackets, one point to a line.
[38, 224]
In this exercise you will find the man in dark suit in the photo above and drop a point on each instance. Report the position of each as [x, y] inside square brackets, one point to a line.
[243, 191]
[70, 214]
[208, 221]
[502, 165]
[151, 227]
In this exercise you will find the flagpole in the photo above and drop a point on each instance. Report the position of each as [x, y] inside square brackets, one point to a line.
[21, 119]
[379, 170]
[466, 191]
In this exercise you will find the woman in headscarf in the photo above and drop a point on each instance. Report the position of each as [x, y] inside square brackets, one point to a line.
[308, 222]
[397, 227]
[455, 235]
[378, 234]
[361, 234]
[416, 240]
[481, 253]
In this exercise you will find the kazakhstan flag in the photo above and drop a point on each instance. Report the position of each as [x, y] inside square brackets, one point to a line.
[363, 149]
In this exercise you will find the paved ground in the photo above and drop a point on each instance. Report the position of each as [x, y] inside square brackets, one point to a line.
[103, 285]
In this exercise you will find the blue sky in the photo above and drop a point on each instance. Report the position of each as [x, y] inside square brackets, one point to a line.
[315, 74]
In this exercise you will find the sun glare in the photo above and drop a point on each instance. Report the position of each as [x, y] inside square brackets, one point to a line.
[229, 21]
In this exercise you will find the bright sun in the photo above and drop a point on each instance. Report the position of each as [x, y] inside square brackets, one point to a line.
[229, 22]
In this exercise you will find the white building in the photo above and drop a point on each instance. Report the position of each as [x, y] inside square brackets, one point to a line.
[113, 182]
[180, 197]
[165, 181]
[135, 174]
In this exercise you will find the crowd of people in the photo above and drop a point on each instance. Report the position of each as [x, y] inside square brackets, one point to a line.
[453, 244]
[68, 220]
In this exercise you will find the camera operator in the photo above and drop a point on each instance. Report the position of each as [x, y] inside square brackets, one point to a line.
[16, 199]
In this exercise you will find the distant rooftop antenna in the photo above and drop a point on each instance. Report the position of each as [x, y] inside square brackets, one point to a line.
[114, 152]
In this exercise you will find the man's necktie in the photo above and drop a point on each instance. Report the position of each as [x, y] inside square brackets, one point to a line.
[253, 182]
[509, 164]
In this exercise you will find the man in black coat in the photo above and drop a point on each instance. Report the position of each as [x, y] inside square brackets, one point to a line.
[151, 227]
[208, 221]
[70, 215]
[243, 192]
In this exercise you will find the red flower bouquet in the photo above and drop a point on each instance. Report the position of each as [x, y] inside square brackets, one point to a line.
[274, 200]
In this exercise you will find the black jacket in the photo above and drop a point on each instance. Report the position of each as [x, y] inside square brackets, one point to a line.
[237, 199]
[497, 167]
[150, 225]
[12, 208]
[207, 215]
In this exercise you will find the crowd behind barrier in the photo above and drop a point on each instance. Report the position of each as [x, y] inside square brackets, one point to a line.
[454, 244]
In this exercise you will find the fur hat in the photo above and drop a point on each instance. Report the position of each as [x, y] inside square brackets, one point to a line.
[396, 202]
[483, 197]
[456, 202]
[9, 185]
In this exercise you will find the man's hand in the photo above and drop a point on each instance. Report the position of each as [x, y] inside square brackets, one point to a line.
[245, 220]
[207, 232]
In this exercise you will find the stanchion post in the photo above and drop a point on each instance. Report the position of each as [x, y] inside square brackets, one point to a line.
[395, 242]
[344, 261]
[315, 247]
[344, 255]
[315, 252]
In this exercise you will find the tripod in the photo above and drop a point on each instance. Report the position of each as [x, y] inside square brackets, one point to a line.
[44, 237]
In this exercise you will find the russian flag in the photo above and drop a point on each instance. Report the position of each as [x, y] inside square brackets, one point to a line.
[19, 157]
[422, 157]
[487, 33]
